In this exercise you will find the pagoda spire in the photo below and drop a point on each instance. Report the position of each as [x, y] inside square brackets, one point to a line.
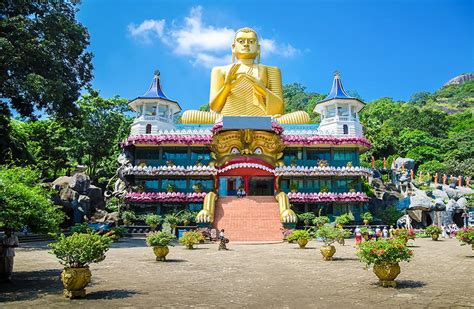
[337, 89]
[155, 91]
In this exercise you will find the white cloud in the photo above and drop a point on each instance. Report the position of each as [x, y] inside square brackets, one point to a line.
[203, 44]
[147, 30]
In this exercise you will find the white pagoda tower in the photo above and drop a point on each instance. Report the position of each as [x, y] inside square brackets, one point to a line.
[339, 111]
[155, 111]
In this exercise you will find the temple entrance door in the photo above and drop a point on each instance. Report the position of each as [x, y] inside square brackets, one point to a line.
[228, 185]
[261, 186]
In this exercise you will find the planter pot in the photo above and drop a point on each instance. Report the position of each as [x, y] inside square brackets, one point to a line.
[366, 222]
[302, 242]
[387, 272]
[161, 252]
[434, 236]
[126, 222]
[472, 247]
[186, 223]
[75, 280]
[328, 252]
[366, 236]
[190, 246]
[153, 226]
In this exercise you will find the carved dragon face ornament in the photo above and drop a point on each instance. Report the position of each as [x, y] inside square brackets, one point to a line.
[246, 146]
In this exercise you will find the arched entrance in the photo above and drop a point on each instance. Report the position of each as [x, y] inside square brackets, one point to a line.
[255, 176]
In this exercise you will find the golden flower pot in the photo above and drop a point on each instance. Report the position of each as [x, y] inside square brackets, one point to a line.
[153, 226]
[387, 272]
[434, 236]
[161, 252]
[366, 222]
[75, 280]
[302, 242]
[328, 252]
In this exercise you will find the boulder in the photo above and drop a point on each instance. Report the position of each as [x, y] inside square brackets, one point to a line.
[450, 192]
[462, 203]
[439, 204]
[84, 205]
[405, 162]
[95, 194]
[80, 182]
[61, 182]
[452, 205]
[68, 194]
[440, 194]
[464, 191]
[420, 201]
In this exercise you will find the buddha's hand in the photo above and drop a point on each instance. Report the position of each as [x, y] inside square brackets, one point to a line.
[288, 216]
[231, 74]
[203, 216]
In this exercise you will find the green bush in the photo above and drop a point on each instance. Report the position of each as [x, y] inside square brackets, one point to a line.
[113, 204]
[152, 219]
[307, 217]
[390, 215]
[344, 219]
[172, 220]
[80, 250]
[367, 216]
[299, 234]
[433, 229]
[329, 234]
[159, 239]
[81, 228]
[321, 220]
[191, 238]
[383, 251]
[186, 217]
[129, 216]
[466, 236]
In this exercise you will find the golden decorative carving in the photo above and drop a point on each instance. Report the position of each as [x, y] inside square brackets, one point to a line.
[75, 280]
[264, 145]
[245, 88]
[387, 272]
[206, 215]
[161, 252]
[327, 252]
[287, 215]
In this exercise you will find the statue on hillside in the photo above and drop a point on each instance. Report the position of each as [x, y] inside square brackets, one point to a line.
[245, 87]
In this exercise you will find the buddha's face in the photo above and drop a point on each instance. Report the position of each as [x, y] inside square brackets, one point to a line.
[245, 45]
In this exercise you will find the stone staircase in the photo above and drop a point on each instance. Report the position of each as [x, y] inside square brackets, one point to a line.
[248, 219]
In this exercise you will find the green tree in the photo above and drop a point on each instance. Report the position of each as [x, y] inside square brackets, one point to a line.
[24, 202]
[44, 62]
[411, 138]
[423, 153]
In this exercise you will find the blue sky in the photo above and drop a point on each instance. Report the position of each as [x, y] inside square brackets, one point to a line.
[381, 48]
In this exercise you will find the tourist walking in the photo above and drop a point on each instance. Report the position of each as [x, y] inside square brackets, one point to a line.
[378, 233]
[391, 232]
[223, 241]
[385, 232]
[443, 231]
[7, 253]
[358, 236]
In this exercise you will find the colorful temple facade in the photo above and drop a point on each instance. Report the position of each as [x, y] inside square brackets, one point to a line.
[285, 164]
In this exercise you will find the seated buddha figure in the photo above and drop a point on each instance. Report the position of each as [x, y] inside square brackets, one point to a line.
[245, 87]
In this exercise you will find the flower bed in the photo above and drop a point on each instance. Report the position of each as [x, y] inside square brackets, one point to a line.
[330, 140]
[153, 197]
[322, 171]
[189, 170]
[319, 197]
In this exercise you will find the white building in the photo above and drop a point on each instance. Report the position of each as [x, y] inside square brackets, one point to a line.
[155, 112]
[339, 111]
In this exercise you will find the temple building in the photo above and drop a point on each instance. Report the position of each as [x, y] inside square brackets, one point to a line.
[285, 164]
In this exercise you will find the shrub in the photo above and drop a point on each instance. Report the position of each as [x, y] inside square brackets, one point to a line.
[329, 234]
[152, 219]
[81, 228]
[159, 239]
[172, 220]
[404, 234]
[383, 251]
[191, 238]
[307, 217]
[299, 234]
[129, 216]
[321, 220]
[80, 250]
[367, 216]
[433, 229]
[344, 219]
[113, 204]
[390, 215]
[466, 236]
[187, 217]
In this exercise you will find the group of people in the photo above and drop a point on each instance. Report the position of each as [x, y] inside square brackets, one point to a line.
[449, 230]
[378, 233]
[241, 192]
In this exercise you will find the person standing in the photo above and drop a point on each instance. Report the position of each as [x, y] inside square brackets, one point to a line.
[358, 236]
[385, 232]
[7, 253]
[378, 233]
[223, 241]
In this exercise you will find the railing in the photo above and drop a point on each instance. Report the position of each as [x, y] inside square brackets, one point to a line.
[335, 163]
[162, 162]
[155, 118]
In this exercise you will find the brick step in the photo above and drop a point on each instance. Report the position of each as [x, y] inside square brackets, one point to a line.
[252, 218]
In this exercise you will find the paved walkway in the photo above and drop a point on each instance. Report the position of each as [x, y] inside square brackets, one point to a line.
[256, 276]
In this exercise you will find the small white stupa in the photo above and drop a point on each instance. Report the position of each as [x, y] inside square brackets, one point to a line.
[339, 111]
[155, 112]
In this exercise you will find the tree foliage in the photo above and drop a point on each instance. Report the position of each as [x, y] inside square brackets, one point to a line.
[44, 62]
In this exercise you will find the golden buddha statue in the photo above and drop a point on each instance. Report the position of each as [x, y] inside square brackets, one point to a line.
[245, 88]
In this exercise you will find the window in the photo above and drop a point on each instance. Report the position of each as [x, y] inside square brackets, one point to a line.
[163, 111]
[175, 153]
[200, 153]
[293, 154]
[331, 111]
[315, 154]
[179, 184]
[345, 129]
[148, 129]
[343, 111]
[151, 186]
[150, 110]
[207, 184]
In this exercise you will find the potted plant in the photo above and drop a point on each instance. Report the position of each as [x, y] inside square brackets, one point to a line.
[320, 221]
[365, 233]
[170, 188]
[404, 234]
[76, 252]
[434, 231]
[343, 219]
[153, 221]
[169, 162]
[324, 189]
[293, 187]
[367, 217]
[385, 254]
[128, 216]
[199, 161]
[349, 164]
[466, 236]
[160, 242]
[191, 238]
[116, 233]
[301, 236]
[186, 217]
[306, 217]
[329, 235]
[197, 187]
[323, 163]
[172, 220]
